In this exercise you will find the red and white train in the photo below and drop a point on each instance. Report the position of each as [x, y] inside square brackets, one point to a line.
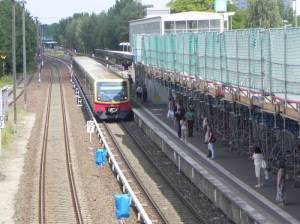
[107, 93]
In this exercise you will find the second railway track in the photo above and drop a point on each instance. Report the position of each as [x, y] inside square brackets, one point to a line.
[58, 201]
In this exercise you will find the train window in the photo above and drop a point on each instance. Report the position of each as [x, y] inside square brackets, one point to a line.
[112, 91]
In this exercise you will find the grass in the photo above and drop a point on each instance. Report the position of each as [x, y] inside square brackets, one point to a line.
[55, 53]
[5, 80]
[9, 131]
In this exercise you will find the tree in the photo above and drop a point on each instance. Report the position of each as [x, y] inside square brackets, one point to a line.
[190, 5]
[86, 32]
[286, 12]
[5, 36]
[264, 13]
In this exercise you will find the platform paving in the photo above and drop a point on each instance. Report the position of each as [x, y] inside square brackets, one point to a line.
[234, 170]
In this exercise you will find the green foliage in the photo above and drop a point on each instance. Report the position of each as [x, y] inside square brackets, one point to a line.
[286, 12]
[5, 36]
[190, 5]
[239, 20]
[86, 32]
[264, 13]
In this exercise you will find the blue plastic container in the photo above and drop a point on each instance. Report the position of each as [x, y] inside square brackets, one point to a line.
[122, 205]
[101, 155]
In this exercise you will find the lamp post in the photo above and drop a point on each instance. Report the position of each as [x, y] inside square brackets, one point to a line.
[24, 55]
[14, 58]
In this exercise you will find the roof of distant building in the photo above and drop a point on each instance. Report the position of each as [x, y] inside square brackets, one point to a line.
[192, 15]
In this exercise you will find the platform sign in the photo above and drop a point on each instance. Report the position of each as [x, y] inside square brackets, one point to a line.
[90, 128]
[3, 101]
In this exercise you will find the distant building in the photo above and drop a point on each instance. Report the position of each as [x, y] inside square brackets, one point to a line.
[162, 22]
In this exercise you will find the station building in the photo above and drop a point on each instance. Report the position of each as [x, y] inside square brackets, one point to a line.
[161, 21]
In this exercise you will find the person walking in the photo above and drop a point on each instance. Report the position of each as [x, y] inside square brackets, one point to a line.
[209, 140]
[280, 195]
[130, 81]
[258, 158]
[184, 132]
[139, 92]
[144, 93]
[170, 114]
[178, 118]
[189, 115]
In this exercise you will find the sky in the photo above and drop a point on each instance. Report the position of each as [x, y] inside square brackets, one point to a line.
[50, 11]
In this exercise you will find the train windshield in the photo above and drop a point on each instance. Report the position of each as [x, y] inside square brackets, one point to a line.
[112, 91]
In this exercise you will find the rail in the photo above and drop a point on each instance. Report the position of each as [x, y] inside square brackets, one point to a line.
[101, 137]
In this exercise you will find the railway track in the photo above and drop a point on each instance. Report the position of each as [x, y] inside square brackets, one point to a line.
[200, 206]
[56, 195]
[136, 183]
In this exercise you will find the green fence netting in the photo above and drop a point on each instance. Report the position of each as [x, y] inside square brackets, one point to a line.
[256, 59]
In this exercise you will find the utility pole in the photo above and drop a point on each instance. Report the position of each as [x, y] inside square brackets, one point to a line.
[14, 58]
[24, 56]
[295, 11]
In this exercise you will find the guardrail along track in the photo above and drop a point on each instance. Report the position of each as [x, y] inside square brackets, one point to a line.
[136, 184]
[57, 190]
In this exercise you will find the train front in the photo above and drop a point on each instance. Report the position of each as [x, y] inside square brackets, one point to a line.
[113, 100]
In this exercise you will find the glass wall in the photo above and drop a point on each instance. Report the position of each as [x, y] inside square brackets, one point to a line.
[192, 26]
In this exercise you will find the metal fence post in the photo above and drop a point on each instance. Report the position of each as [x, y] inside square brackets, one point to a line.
[237, 61]
[262, 61]
[285, 75]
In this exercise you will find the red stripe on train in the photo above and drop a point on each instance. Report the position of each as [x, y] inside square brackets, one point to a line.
[120, 106]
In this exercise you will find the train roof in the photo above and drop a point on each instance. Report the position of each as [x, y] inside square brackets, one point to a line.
[95, 70]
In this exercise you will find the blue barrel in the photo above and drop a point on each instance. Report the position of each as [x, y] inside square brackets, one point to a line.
[122, 205]
[101, 154]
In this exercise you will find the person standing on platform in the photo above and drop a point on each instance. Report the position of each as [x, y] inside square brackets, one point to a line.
[178, 116]
[170, 114]
[130, 81]
[280, 195]
[184, 133]
[258, 158]
[189, 115]
[209, 139]
[175, 105]
[144, 93]
[139, 93]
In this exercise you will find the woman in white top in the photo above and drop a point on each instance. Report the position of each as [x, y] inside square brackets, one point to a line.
[258, 158]
[184, 132]
[170, 114]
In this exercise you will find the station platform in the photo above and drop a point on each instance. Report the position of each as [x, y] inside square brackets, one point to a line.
[234, 172]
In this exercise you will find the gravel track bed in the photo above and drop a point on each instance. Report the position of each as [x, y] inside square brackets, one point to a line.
[164, 196]
[26, 206]
[130, 174]
[58, 200]
[99, 186]
[204, 207]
